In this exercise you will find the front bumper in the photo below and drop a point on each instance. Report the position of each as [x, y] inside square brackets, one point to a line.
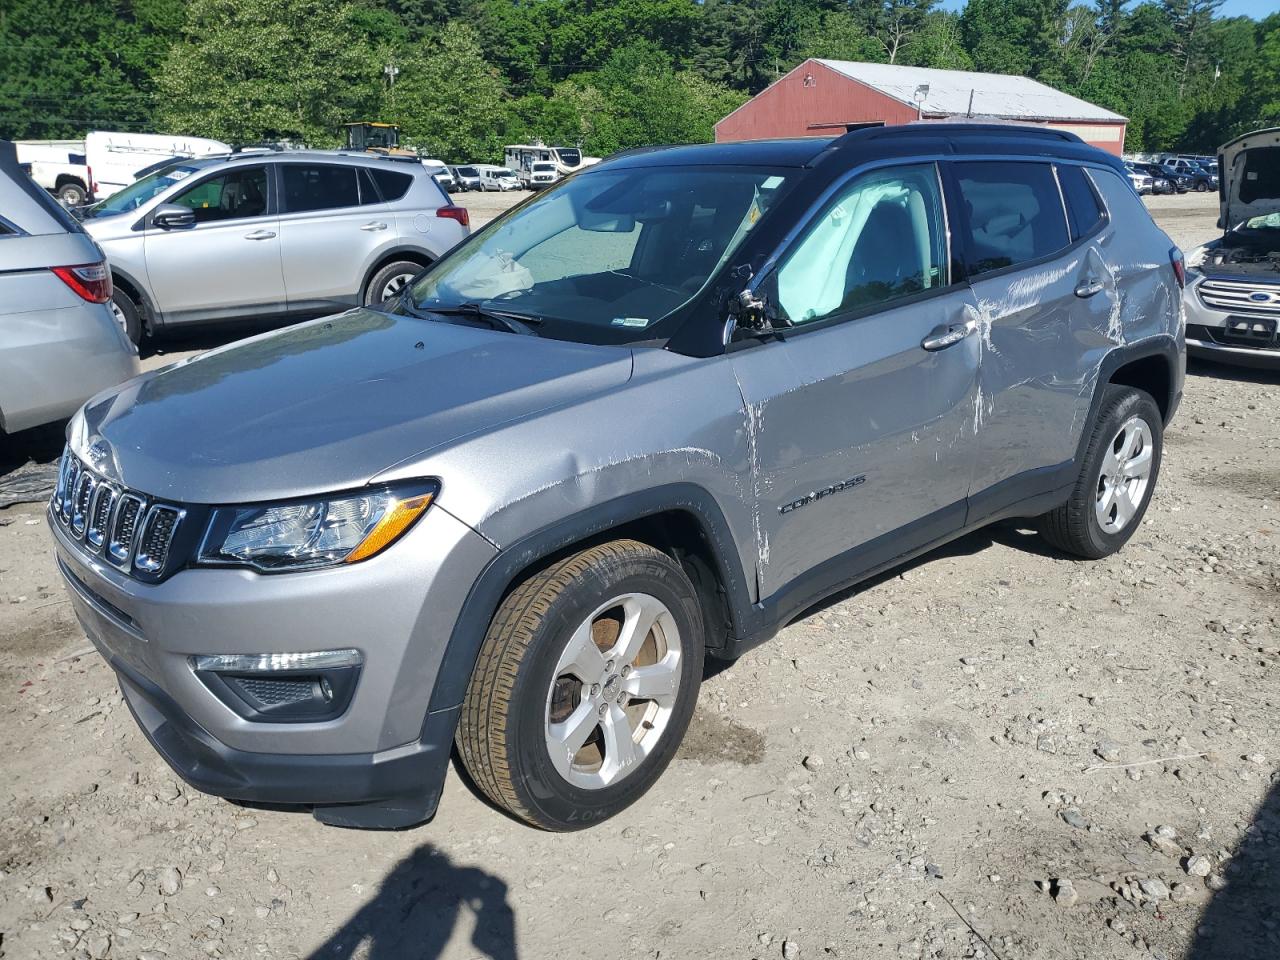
[1208, 336]
[389, 750]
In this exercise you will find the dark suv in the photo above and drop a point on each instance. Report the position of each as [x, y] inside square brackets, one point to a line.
[652, 414]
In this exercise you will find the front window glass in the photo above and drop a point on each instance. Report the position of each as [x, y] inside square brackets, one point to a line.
[140, 191]
[234, 195]
[881, 239]
[604, 256]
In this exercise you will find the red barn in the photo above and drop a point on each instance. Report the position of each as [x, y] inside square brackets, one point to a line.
[823, 98]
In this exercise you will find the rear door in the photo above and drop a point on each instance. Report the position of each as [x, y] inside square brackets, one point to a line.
[228, 264]
[1044, 297]
[332, 221]
[860, 419]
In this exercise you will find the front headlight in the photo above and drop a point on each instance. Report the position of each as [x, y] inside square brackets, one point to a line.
[307, 534]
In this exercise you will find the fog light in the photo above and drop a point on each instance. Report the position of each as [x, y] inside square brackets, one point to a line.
[282, 687]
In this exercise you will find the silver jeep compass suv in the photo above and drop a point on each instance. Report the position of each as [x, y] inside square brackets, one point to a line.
[651, 415]
[269, 236]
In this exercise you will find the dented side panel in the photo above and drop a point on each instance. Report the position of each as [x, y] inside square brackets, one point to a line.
[854, 431]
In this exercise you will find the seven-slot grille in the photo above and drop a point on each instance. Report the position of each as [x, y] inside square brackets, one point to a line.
[1259, 298]
[124, 527]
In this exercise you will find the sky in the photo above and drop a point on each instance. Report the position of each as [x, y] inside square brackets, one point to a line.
[1232, 8]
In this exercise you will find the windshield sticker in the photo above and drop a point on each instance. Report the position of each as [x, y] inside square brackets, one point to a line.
[640, 322]
[179, 174]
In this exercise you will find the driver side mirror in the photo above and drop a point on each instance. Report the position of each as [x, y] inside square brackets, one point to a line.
[172, 216]
[752, 314]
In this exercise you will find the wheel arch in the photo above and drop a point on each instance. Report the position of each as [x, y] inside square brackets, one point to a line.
[138, 294]
[681, 519]
[62, 179]
[1150, 366]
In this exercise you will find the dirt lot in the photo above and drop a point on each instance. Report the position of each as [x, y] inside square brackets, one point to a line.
[959, 760]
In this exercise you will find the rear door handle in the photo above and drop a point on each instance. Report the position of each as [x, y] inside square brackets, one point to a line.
[260, 235]
[948, 334]
[1089, 288]
[374, 225]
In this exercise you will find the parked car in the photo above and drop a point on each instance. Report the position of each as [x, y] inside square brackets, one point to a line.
[1203, 178]
[269, 236]
[1160, 182]
[653, 414]
[59, 343]
[60, 167]
[1142, 182]
[497, 178]
[542, 174]
[442, 174]
[1233, 297]
[1178, 173]
[467, 178]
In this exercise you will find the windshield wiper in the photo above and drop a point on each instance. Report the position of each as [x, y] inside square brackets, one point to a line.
[497, 319]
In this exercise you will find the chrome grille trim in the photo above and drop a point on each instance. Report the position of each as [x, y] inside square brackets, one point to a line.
[124, 529]
[80, 500]
[100, 510]
[157, 533]
[133, 532]
[1234, 295]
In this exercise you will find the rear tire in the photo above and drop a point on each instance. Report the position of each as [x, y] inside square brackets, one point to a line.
[388, 282]
[1117, 477]
[72, 194]
[584, 686]
[127, 315]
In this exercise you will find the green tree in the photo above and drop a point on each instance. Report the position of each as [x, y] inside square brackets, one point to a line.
[249, 70]
[449, 100]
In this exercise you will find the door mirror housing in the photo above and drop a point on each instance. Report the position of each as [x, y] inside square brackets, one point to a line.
[171, 216]
[752, 314]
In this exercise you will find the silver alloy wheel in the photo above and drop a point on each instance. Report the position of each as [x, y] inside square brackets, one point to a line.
[395, 284]
[614, 690]
[1126, 471]
[120, 317]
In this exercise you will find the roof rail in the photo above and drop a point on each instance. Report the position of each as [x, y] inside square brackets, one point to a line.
[958, 128]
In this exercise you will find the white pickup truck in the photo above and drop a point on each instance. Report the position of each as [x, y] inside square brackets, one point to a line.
[79, 171]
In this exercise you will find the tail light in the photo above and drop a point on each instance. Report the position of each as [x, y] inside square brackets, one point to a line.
[1179, 267]
[93, 187]
[91, 281]
[455, 213]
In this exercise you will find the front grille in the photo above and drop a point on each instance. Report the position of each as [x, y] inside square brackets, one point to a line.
[1237, 296]
[126, 528]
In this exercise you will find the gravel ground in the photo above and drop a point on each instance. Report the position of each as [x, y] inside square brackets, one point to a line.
[994, 752]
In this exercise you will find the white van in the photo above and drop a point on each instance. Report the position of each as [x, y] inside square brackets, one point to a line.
[116, 158]
[497, 178]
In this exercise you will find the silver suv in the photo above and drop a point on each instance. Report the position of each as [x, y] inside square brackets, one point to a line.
[58, 343]
[652, 414]
[269, 236]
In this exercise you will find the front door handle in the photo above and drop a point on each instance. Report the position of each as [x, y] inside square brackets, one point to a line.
[948, 334]
[374, 225]
[1089, 288]
[260, 235]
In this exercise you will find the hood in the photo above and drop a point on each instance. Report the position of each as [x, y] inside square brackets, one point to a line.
[327, 405]
[1249, 174]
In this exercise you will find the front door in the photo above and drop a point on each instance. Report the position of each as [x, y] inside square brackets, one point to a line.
[861, 418]
[228, 264]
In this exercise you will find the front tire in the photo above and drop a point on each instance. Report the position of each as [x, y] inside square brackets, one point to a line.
[1117, 477]
[584, 686]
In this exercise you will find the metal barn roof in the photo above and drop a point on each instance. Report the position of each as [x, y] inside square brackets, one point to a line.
[994, 94]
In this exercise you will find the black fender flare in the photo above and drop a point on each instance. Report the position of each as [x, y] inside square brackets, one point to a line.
[1163, 345]
[495, 580]
[150, 316]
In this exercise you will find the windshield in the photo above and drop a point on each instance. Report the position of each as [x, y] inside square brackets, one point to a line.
[467, 172]
[140, 191]
[603, 257]
[504, 172]
[540, 167]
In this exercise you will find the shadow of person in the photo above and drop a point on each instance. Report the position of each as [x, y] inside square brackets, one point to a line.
[1242, 921]
[415, 911]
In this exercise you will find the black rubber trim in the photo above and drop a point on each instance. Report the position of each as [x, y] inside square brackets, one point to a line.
[393, 791]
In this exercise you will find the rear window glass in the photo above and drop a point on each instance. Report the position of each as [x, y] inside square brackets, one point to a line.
[1014, 213]
[322, 187]
[1084, 212]
[392, 184]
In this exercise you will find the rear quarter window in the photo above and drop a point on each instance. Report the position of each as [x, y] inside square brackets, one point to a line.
[1084, 211]
[392, 184]
[1014, 213]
